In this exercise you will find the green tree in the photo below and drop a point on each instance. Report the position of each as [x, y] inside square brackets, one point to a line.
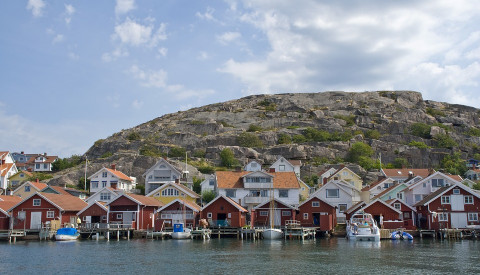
[208, 196]
[358, 150]
[284, 139]
[400, 163]
[249, 140]
[445, 141]
[453, 164]
[81, 184]
[254, 128]
[40, 176]
[177, 152]
[299, 139]
[373, 134]
[227, 158]
[420, 130]
[197, 188]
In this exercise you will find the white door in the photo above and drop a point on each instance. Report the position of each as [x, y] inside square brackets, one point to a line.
[458, 220]
[457, 202]
[128, 217]
[88, 219]
[35, 220]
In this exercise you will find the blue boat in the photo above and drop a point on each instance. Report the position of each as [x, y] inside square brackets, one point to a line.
[400, 235]
[67, 234]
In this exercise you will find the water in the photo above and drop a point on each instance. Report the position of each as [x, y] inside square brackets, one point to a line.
[232, 256]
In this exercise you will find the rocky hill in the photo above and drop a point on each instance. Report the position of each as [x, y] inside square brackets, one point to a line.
[305, 126]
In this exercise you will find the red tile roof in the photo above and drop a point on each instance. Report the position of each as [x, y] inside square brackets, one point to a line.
[10, 198]
[7, 204]
[66, 202]
[455, 177]
[295, 162]
[38, 185]
[60, 190]
[404, 173]
[49, 159]
[5, 168]
[373, 184]
[147, 201]
[119, 174]
[281, 180]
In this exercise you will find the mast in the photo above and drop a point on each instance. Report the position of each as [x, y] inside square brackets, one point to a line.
[86, 161]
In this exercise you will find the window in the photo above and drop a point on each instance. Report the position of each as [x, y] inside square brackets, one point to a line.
[22, 175]
[315, 204]
[50, 214]
[104, 174]
[211, 182]
[445, 199]
[94, 184]
[230, 193]
[36, 202]
[37, 166]
[305, 216]
[253, 164]
[209, 215]
[443, 217]
[418, 198]
[119, 216]
[397, 206]
[104, 184]
[263, 213]
[468, 199]
[437, 183]
[406, 215]
[281, 168]
[286, 213]
[332, 193]
[166, 216]
[400, 195]
[27, 188]
[84, 218]
[105, 196]
[456, 191]
[473, 217]
[386, 185]
[283, 193]
[342, 207]
[424, 184]
[170, 192]
[45, 166]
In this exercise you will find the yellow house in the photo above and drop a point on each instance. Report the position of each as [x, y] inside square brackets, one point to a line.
[168, 192]
[19, 178]
[29, 188]
[304, 190]
[349, 176]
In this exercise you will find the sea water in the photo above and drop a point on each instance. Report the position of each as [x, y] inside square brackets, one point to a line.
[232, 256]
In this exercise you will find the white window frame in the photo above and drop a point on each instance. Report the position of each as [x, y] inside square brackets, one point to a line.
[84, 218]
[456, 191]
[27, 188]
[50, 214]
[263, 213]
[315, 204]
[119, 216]
[37, 200]
[305, 216]
[104, 174]
[336, 196]
[281, 193]
[443, 217]
[445, 199]
[286, 213]
[468, 199]
[397, 205]
[340, 207]
[473, 217]
[231, 190]
[209, 215]
[281, 168]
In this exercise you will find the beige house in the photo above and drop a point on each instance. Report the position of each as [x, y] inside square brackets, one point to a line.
[28, 188]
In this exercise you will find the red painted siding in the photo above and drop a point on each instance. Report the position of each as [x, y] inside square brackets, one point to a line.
[265, 220]
[223, 207]
[4, 221]
[28, 207]
[328, 214]
[177, 206]
[94, 210]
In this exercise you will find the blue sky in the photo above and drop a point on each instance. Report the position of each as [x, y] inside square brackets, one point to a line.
[72, 72]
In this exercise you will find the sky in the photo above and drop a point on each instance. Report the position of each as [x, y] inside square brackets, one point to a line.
[73, 72]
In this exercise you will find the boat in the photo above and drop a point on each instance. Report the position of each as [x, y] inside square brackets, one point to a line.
[272, 233]
[67, 234]
[362, 227]
[400, 235]
[179, 232]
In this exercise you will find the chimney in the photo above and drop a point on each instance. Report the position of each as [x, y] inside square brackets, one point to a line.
[430, 171]
[38, 180]
[29, 169]
[114, 167]
[177, 181]
[238, 169]
[272, 170]
[22, 152]
[3, 161]
[45, 154]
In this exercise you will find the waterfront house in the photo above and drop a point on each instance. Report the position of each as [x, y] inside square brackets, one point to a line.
[173, 190]
[133, 210]
[472, 163]
[250, 189]
[40, 162]
[281, 212]
[42, 208]
[95, 212]
[208, 184]
[340, 194]
[28, 188]
[159, 174]
[19, 178]
[284, 165]
[113, 178]
[375, 188]
[450, 206]
[65, 191]
[345, 174]
[377, 208]
[405, 174]
[7, 169]
[396, 191]
[315, 212]
[7, 202]
[223, 211]
[419, 190]
[408, 215]
[177, 211]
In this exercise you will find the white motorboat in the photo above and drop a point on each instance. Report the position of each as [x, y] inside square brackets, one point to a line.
[179, 232]
[272, 234]
[362, 227]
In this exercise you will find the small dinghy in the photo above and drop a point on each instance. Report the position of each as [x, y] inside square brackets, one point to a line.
[400, 235]
[67, 234]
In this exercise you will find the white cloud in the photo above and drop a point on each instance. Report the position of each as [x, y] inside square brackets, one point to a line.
[156, 79]
[228, 37]
[36, 6]
[124, 6]
[69, 11]
[58, 38]
[203, 56]
[135, 34]
[207, 15]
[73, 56]
[162, 52]
[137, 104]
[118, 52]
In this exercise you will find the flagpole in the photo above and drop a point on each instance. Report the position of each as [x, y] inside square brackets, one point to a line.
[86, 161]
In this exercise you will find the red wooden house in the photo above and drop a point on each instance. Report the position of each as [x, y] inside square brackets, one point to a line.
[7, 202]
[378, 208]
[223, 211]
[40, 208]
[135, 210]
[315, 212]
[177, 211]
[94, 213]
[408, 214]
[455, 206]
[282, 212]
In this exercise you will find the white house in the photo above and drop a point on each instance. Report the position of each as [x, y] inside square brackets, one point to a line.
[284, 165]
[41, 163]
[113, 178]
[250, 189]
[7, 169]
[160, 173]
[375, 188]
[106, 194]
[325, 174]
[338, 193]
[208, 184]
[253, 166]
[419, 190]
[405, 174]
[473, 174]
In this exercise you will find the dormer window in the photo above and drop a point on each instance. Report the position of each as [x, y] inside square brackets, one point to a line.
[456, 191]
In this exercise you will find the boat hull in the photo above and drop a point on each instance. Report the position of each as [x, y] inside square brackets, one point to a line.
[272, 234]
[181, 235]
[62, 237]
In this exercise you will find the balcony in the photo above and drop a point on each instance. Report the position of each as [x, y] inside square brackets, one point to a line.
[255, 199]
[257, 185]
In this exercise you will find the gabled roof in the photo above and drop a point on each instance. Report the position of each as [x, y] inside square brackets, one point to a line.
[281, 180]
[5, 168]
[139, 199]
[109, 189]
[115, 172]
[326, 170]
[342, 185]
[301, 182]
[356, 206]
[276, 200]
[158, 162]
[258, 172]
[62, 202]
[389, 189]
[193, 206]
[405, 172]
[397, 200]
[57, 189]
[382, 202]
[442, 190]
[230, 179]
[234, 203]
[376, 183]
[101, 204]
[37, 185]
[181, 187]
[7, 202]
[455, 177]
[48, 159]
[343, 167]
[22, 171]
[431, 176]
[313, 197]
